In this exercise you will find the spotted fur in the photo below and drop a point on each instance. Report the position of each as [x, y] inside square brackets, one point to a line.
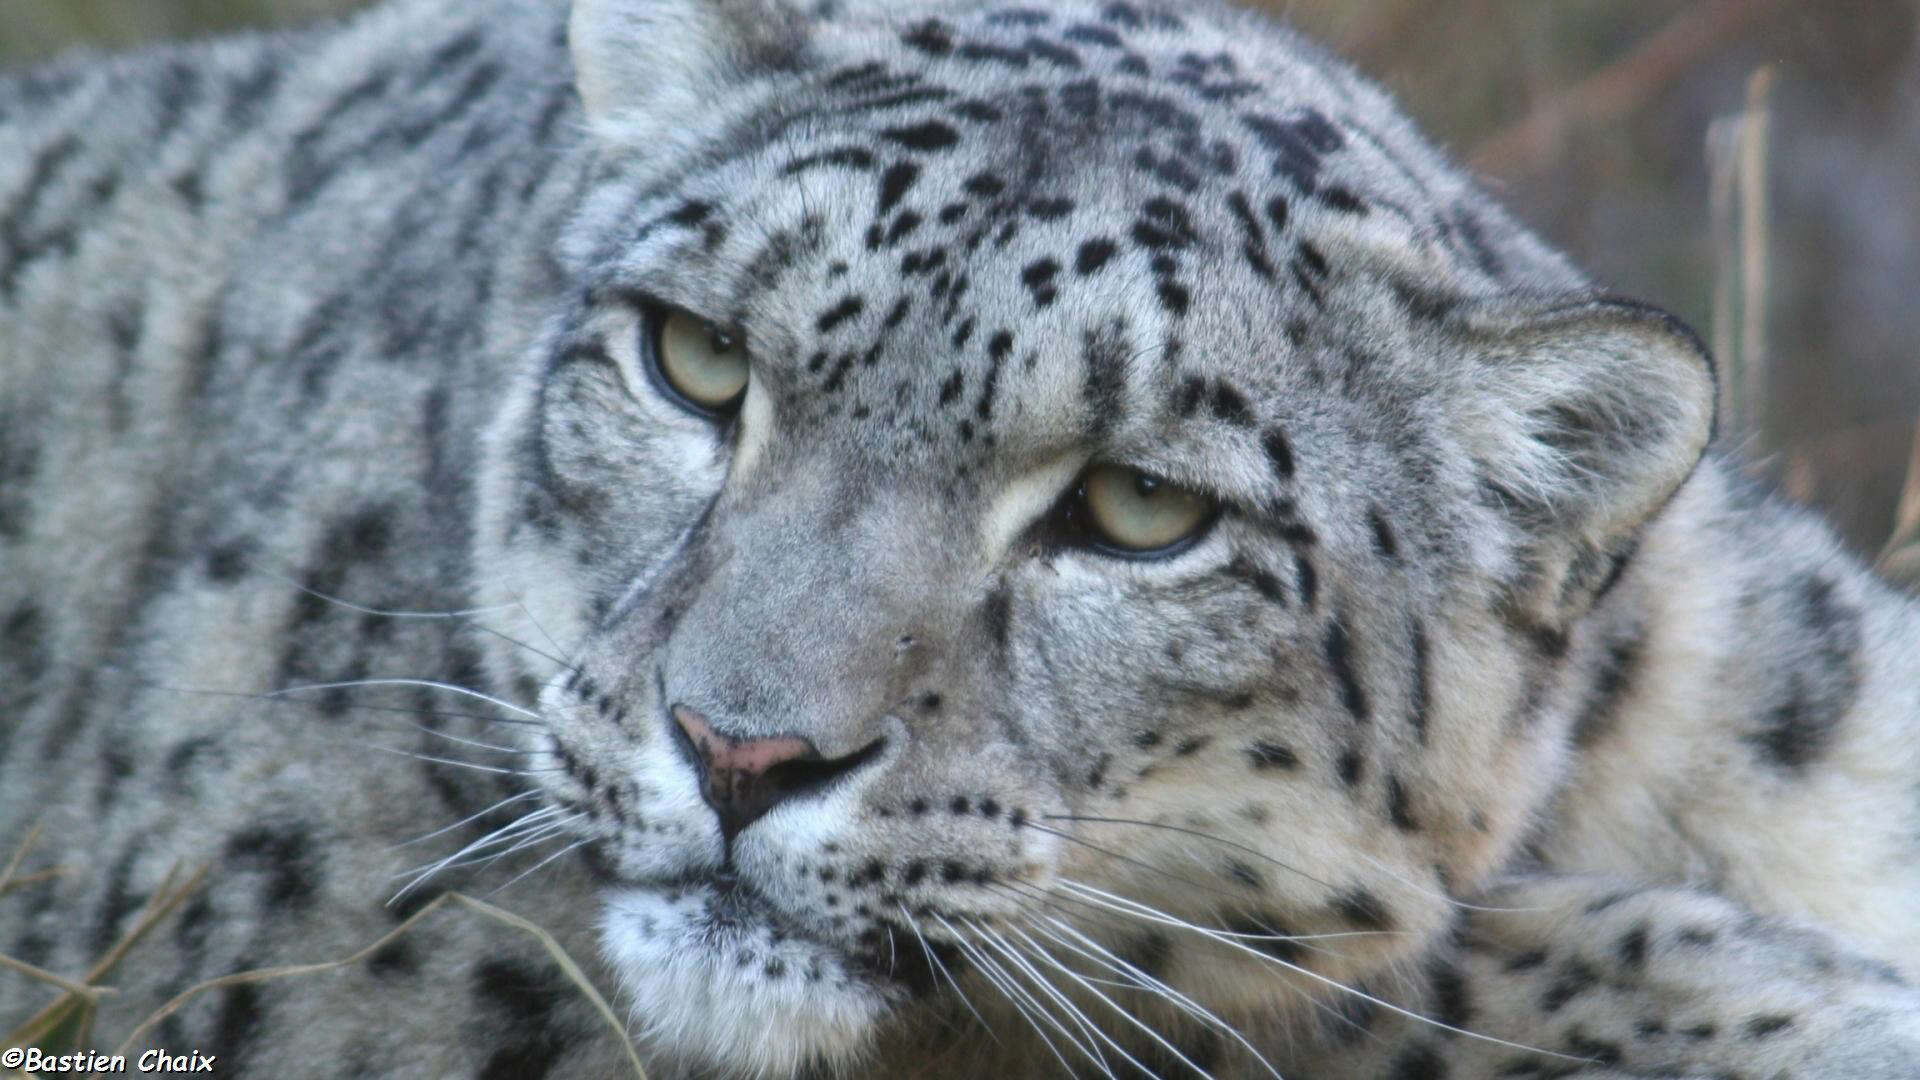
[1493, 726]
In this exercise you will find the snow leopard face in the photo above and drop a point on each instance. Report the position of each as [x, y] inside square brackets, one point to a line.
[1059, 477]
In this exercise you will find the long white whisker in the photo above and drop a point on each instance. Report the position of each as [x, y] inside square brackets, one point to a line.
[1122, 904]
[539, 834]
[428, 684]
[355, 706]
[1039, 952]
[1088, 1028]
[1132, 971]
[475, 743]
[468, 615]
[1415, 887]
[570, 847]
[934, 963]
[1002, 981]
[456, 762]
[528, 612]
[509, 800]
[502, 835]
[1049, 898]
[1196, 833]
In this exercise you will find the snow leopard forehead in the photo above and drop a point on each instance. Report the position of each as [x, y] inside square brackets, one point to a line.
[997, 233]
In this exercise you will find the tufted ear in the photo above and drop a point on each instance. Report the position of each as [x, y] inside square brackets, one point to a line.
[645, 68]
[1586, 416]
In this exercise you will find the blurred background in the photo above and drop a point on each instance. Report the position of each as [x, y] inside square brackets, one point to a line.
[1752, 165]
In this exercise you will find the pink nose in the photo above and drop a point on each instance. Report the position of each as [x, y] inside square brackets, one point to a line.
[725, 754]
[742, 779]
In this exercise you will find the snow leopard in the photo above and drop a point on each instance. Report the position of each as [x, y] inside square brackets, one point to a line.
[936, 538]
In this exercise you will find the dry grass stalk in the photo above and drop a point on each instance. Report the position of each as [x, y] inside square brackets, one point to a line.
[1900, 559]
[1739, 207]
[567, 965]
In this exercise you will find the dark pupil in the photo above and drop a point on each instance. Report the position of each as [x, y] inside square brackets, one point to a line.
[718, 341]
[1144, 485]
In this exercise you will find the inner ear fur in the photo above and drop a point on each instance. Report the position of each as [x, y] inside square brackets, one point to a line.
[1586, 414]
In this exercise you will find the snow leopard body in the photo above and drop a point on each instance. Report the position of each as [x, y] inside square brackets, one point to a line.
[1491, 723]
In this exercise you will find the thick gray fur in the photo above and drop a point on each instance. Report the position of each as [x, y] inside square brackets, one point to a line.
[1495, 727]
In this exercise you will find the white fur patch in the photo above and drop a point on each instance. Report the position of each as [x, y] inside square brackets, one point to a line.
[700, 986]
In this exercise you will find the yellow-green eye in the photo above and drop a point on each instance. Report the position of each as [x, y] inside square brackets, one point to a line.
[1139, 513]
[705, 367]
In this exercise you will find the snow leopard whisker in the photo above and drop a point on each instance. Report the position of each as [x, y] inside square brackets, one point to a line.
[466, 615]
[1195, 833]
[1014, 995]
[1132, 861]
[260, 695]
[1072, 1012]
[1051, 900]
[475, 816]
[528, 831]
[1131, 971]
[1198, 834]
[427, 684]
[1125, 906]
[937, 965]
[456, 762]
[502, 835]
[1040, 952]
[570, 848]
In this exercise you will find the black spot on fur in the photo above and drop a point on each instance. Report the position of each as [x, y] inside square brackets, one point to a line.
[1098, 773]
[1229, 405]
[1038, 277]
[1573, 980]
[1383, 540]
[1272, 755]
[1279, 452]
[1363, 908]
[848, 307]
[229, 562]
[285, 855]
[518, 1003]
[1610, 683]
[1343, 200]
[393, 960]
[1351, 766]
[1422, 679]
[895, 182]
[932, 37]
[1421, 1062]
[237, 1024]
[1819, 682]
[1399, 809]
[1448, 998]
[930, 135]
[1267, 933]
[691, 213]
[1762, 1026]
[1581, 1045]
[1633, 947]
[1339, 650]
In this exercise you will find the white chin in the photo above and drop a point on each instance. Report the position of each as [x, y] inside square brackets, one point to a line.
[713, 986]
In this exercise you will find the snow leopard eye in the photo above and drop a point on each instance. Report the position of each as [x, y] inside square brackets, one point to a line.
[1140, 514]
[701, 367]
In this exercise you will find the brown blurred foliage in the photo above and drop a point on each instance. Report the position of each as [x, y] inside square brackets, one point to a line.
[1589, 119]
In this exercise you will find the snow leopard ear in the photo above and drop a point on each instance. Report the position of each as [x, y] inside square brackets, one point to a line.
[1586, 416]
[646, 68]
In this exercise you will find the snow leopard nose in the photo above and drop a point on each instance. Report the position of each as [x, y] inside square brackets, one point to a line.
[742, 779]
